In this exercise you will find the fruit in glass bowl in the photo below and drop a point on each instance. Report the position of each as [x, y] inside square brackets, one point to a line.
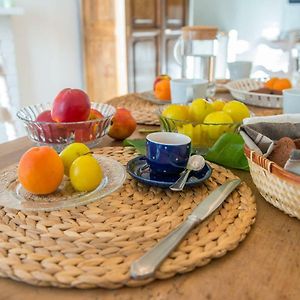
[203, 123]
[59, 134]
[71, 105]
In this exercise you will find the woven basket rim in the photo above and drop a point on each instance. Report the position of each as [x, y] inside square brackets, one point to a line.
[271, 167]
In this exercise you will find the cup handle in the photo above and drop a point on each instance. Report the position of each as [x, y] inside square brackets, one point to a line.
[190, 93]
[177, 51]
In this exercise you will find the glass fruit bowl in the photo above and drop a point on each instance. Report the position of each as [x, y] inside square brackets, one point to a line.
[203, 135]
[59, 135]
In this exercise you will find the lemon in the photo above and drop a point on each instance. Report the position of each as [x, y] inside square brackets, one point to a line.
[70, 153]
[194, 132]
[85, 173]
[186, 129]
[197, 136]
[213, 119]
[218, 117]
[199, 109]
[218, 105]
[176, 112]
[237, 110]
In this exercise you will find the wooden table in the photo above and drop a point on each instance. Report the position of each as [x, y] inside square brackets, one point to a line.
[266, 265]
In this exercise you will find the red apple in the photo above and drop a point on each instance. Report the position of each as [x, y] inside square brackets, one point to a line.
[123, 124]
[159, 78]
[51, 132]
[45, 116]
[44, 130]
[71, 105]
[87, 132]
[95, 114]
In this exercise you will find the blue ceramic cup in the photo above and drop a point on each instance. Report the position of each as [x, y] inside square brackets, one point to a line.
[167, 152]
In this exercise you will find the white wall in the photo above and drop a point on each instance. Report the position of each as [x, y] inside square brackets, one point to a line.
[48, 48]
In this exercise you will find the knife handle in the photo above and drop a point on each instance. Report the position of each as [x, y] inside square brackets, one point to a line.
[148, 263]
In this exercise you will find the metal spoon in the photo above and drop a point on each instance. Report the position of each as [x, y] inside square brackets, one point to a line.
[195, 163]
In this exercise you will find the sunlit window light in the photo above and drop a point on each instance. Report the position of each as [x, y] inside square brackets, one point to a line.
[10, 131]
[4, 99]
[275, 60]
[271, 32]
[260, 74]
[232, 43]
[242, 46]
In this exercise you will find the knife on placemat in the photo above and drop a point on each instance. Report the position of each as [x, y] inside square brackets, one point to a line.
[145, 266]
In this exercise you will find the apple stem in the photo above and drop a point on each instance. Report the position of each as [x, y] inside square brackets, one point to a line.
[90, 152]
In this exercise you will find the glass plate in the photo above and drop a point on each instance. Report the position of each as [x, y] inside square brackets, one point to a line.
[13, 195]
[149, 96]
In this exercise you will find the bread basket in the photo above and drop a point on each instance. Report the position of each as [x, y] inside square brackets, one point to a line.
[276, 185]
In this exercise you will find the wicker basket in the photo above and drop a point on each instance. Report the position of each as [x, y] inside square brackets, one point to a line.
[277, 186]
[240, 89]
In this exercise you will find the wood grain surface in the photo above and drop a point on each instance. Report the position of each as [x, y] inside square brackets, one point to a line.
[266, 265]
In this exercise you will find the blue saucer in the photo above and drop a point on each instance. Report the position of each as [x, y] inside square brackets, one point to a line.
[139, 169]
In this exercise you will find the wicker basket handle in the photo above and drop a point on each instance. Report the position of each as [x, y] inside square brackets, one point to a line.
[262, 161]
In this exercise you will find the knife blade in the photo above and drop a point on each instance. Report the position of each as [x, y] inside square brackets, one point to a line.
[145, 266]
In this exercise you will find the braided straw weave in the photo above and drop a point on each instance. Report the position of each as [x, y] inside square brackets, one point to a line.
[94, 245]
[143, 111]
[277, 186]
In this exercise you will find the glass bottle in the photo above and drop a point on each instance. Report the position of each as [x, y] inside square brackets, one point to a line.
[196, 52]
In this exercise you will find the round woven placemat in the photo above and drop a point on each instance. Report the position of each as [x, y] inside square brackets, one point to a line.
[142, 110]
[94, 245]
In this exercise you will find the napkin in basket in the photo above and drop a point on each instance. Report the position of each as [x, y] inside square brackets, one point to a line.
[261, 134]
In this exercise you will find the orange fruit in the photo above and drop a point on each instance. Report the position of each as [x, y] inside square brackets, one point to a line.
[269, 84]
[282, 84]
[40, 170]
[162, 89]
[159, 78]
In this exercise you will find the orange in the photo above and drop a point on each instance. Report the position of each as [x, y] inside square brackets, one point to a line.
[278, 84]
[40, 170]
[162, 89]
[282, 84]
[269, 84]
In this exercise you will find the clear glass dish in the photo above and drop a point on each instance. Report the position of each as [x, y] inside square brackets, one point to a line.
[59, 135]
[203, 135]
[13, 195]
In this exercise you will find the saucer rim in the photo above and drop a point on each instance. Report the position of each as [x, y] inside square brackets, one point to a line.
[163, 184]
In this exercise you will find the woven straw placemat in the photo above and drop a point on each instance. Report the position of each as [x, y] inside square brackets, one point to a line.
[142, 110]
[94, 245]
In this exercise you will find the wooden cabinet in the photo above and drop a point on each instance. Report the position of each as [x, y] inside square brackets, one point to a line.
[153, 26]
[142, 13]
[99, 49]
[149, 29]
[142, 42]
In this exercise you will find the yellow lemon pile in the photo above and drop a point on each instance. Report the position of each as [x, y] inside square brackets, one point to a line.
[204, 122]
